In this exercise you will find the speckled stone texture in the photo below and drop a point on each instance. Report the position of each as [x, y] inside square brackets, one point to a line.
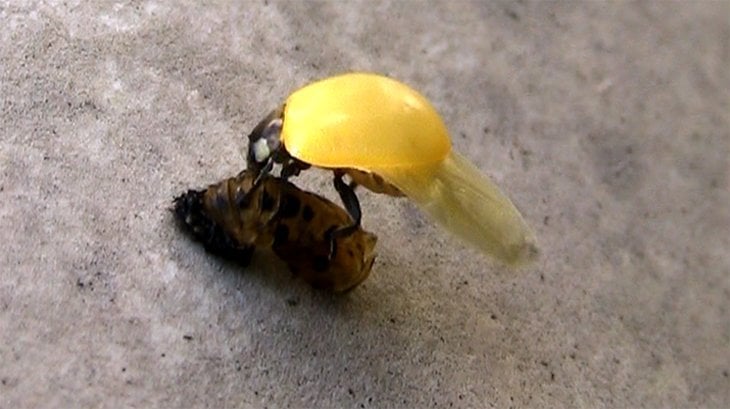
[607, 123]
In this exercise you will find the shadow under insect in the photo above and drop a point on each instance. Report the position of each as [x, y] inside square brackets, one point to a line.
[233, 217]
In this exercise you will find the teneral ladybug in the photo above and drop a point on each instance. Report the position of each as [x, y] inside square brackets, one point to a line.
[389, 138]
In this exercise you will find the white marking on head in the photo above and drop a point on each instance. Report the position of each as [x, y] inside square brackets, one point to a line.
[261, 150]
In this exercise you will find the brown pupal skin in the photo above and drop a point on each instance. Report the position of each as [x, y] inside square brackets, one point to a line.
[296, 224]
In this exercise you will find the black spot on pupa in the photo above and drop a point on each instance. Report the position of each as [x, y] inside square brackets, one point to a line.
[289, 206]
[281, 234]
[267, 201]
[320, 263]
[242, 199]
[307, 213]
[221, 203]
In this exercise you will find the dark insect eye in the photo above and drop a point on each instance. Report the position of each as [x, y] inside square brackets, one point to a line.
[272, 134]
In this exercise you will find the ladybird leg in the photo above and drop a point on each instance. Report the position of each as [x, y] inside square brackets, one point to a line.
[352, 205]
[292, 167]
[289, 169]
[263, 172]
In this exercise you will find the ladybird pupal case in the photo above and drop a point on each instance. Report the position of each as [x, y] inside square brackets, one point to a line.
[467, 203]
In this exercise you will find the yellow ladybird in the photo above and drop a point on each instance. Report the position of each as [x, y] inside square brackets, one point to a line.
[306, 231]
[390, 139]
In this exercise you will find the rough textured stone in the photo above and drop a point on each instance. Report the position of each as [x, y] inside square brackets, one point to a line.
[608, 124]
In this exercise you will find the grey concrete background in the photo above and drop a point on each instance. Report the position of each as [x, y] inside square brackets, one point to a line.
[607, 123]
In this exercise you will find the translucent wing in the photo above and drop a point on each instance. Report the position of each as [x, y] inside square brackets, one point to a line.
[457, 196]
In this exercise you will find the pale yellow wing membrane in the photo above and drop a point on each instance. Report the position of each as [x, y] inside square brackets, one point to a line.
[458, 197]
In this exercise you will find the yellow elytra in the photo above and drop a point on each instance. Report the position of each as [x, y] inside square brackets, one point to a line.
[361, 121]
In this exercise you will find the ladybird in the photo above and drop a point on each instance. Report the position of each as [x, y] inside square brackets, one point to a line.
[389, 138]
[311, 234]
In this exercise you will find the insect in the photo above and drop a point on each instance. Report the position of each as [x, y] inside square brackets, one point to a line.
[387, 137]
[235, 216]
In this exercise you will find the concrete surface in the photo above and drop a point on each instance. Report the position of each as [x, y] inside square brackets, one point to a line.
[607, 124]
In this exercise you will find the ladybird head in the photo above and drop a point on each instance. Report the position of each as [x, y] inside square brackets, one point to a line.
[264, 142]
